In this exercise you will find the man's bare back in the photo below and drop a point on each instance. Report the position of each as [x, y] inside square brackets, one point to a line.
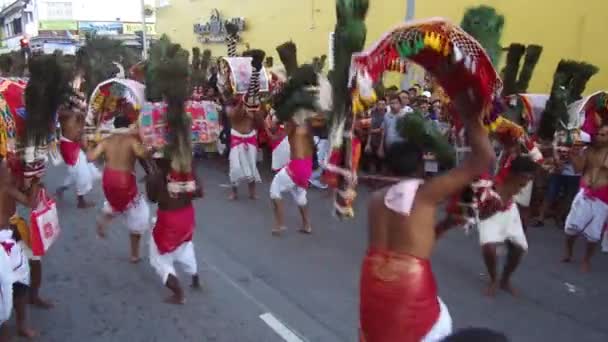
[414, 233]
[121, 151]
[300, 141]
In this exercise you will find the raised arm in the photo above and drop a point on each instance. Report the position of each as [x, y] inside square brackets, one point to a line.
[578, 159]
[479, 162]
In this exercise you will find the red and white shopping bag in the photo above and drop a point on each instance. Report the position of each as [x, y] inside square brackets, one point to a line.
[44, 224]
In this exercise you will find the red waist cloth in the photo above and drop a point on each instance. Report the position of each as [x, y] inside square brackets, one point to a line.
[235, 141]
[398, 301]
[300, 171]
[173, 227]
[600, 194]
[120, 188]
[70, 151]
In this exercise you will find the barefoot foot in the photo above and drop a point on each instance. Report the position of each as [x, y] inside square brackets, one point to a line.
[27, 333]
[278, 231]
[490, 291]
[585, 267]
[306, 230]
[506, 286]
[135, 259]
[175, 300]
[233, 197]
[41, 303]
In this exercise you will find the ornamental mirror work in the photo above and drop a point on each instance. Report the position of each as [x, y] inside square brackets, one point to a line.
[214, 31]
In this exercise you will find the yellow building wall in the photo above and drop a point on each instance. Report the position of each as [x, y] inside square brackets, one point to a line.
[565, 28]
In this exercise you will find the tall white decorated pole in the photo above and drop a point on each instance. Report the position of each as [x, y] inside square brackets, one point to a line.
[410, 12]
[144, 34]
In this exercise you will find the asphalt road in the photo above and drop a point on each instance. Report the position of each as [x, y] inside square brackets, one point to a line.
[257, 287]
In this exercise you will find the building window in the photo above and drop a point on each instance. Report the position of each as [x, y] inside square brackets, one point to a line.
[59, 10]
[17, 28]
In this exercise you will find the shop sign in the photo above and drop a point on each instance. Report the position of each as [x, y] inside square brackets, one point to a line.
[214, 30]
[57, 25]
[131, 28]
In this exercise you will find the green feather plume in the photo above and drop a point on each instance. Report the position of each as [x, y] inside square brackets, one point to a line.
[167, 72]
[97, 57]
[511, 69]
[6, 63]
[582, 75]
[416, 129]
[349, 37]
[533, 53]
[288, 54]
[48, 88]
[297, 93]
[485, 25]
[556, 109]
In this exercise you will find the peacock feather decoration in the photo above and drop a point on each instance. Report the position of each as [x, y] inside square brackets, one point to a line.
[98, 60]
[167, 73]
[349, 37]
[48, 89]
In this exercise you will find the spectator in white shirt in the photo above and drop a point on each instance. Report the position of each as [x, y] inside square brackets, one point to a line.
[404, 98]
[390, 134]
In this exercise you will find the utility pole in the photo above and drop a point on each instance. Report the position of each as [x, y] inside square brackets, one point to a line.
[144, 47]
[410, 11]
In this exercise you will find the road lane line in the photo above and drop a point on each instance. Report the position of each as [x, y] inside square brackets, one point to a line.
[279, 328]
[292, 333]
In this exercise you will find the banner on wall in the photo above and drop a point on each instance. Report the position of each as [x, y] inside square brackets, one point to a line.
[205, 123]
[100, 28]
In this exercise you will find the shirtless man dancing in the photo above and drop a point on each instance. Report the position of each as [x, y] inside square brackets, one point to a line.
[171, 240]
[398, 299]
[121, 150]
[243, 149]
[80, 172]
[589, 210]
[295, 176]
[10, 194]
[500, 221]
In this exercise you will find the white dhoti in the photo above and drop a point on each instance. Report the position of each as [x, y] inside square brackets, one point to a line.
[281, 155]
[587, 217]
[243, 158]
[6, 287]
[502, 227]
[524, 196]
[82, 174]
[136, 217]
[281, 183]
[164, 264]
[443, 326]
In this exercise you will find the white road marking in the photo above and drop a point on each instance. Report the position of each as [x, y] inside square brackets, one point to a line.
[275, 324]
[279, 328]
